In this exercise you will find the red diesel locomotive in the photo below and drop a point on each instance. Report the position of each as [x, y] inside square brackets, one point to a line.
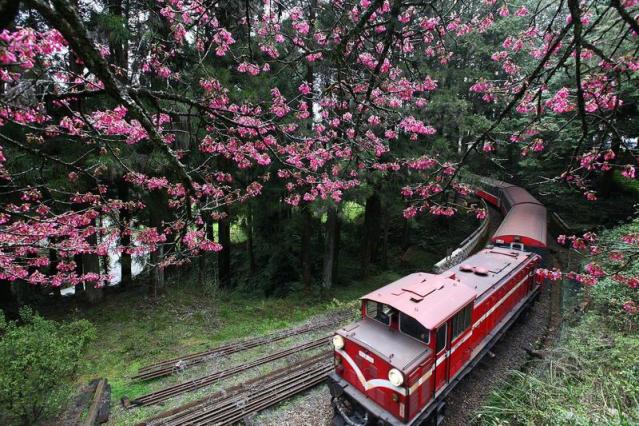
[421, 334]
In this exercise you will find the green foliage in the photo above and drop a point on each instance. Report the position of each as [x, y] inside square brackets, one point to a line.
[115, 26]
[591, 376]
[609, 296]
[36, 357]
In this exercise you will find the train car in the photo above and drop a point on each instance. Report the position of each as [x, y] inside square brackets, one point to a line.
[491, 190]
[420, 335]
[524, 227]
[525, 219]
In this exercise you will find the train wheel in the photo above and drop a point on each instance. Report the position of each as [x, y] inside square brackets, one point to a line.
[345, 413]
[438, 415]
[338, 420]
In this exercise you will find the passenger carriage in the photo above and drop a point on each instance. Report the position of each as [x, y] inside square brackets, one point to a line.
[525, 219]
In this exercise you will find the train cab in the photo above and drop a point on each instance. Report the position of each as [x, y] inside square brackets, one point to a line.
[408, 344]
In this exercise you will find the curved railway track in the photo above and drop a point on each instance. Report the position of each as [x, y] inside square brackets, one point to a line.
[175, 365]
[232, 405]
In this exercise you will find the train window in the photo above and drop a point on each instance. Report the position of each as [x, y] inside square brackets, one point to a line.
[378, 311]
[441, 338]
[461, 321]
[412, 328]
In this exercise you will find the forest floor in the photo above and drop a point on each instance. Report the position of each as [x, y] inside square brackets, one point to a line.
[134, 331]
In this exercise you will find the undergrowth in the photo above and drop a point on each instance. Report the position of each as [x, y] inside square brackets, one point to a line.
[591, 376]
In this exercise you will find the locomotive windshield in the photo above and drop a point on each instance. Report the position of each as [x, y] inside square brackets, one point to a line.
[414, 329]
[379, 311]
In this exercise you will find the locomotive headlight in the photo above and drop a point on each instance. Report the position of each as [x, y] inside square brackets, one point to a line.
[338, 342]
[395, 377]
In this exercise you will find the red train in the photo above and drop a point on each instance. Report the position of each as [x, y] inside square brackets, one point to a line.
[420, 335]
[525, 218]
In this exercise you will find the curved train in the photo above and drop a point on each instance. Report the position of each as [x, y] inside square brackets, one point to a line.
[420, 335]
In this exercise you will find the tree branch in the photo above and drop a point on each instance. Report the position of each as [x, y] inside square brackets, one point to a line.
[65, 19]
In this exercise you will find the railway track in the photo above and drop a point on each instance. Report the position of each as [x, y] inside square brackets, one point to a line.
[232, 405]
[191, 385]
[175, 365]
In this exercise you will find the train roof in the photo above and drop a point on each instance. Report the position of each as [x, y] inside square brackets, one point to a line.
[483, 270]
[518, 195]
[430, 299]
[525, 222]
[494, 182]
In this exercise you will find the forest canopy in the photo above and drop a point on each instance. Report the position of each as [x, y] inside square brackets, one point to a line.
[150, 127]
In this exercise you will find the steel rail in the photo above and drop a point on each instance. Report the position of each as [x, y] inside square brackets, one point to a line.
[227, 409]
[262, 401]
[180, 388]
[174, 365]
[215, 398]
[224, 403]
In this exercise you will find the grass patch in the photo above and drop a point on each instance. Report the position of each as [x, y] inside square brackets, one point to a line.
[591, 377]
[134, 330]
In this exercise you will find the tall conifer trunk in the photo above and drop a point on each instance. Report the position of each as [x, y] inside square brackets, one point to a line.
[305, 255]
[79, 288]
[307, 222]
[372, 224]
[120, 47]
[330, 246]
[249, 241]
[156, 208]
[224, 255]
[125, 237]
[91, 264]
[337, 241]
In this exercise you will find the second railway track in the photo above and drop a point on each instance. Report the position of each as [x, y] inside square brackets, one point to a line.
[232, 405]
[174, 365]
[191, 385]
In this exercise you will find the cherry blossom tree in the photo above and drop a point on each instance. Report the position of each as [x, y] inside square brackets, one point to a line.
[154, 114]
